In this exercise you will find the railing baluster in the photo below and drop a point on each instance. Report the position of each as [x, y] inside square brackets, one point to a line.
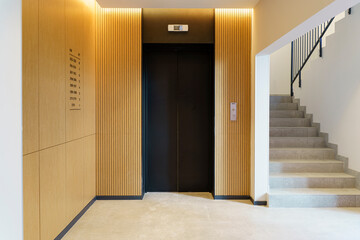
[302, 48]
[307, 43]
[299, 55]
[292, 69]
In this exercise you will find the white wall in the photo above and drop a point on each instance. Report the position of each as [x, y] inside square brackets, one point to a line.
[11, 213]
[331, 88]
[280, 67]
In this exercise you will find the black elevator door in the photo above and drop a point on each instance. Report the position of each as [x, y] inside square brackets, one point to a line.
[179, 87]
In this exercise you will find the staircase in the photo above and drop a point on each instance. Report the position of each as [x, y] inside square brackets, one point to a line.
[303, 171]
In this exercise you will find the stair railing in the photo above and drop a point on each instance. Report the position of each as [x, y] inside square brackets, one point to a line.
[302, 49]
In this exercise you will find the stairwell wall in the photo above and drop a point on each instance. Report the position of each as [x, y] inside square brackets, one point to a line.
[280, 64]
[291, 19]
[331, 88]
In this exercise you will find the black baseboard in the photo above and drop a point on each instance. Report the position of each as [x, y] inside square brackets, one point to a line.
[231, 197]
[240, 197]
[258, 203]
[72, 223]
[119, 197]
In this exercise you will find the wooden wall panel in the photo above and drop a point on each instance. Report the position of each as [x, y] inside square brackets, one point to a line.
[57, 190]
[118, 102]
[232, 84]
[89, 169]
[30, 33]
[74, 178]
[52, 191]
[74, 41]
[31, 181]
[52, 72]
[89, 68]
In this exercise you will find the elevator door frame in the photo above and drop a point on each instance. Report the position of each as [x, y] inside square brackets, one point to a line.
[145, 163]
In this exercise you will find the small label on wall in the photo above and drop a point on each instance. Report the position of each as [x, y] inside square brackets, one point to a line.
[233, 111]
[178, 28]
[74, 80]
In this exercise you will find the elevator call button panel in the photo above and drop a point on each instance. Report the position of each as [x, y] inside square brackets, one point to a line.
[233, 111]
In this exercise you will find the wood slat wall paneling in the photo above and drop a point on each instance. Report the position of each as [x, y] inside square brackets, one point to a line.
[118, 102]
[232, 84]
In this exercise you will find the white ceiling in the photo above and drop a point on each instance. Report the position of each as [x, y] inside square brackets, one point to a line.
[177, 3]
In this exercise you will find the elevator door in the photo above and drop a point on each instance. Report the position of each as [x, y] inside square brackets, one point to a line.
[179, 129]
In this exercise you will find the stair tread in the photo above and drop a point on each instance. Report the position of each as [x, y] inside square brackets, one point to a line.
[293, 127]
[301, 148]
[292, 118]
[297, 137]
[314, 191]
[310, 175]
[280, 95]
[305, 161]
[286, 110]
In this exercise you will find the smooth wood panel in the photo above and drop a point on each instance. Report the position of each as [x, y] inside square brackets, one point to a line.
[50, 28]
[74, 178]
[118, 102]
[31, 182]
[74, 42]
[232, 84]
[89, 169]
[52, 72]
[30, 35]
[89, 68]
[52, 191]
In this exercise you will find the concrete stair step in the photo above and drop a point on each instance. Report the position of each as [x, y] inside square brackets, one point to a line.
[289, 122]
[286, 114]
[311, 180]
[291, 142]
[302, 153]
[283, 106]
[280, 99]
[314, 197]
[306, 166]
[293, 132]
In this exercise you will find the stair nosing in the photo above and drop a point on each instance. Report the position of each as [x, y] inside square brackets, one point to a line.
[312, 175]
[314, 191]
[297, 137]
[310, 161]
[294, 127]
[303, 148]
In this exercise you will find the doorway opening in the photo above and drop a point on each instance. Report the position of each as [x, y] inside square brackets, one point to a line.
[178, 117]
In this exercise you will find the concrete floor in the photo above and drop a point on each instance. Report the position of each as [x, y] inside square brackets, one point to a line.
[196, 216]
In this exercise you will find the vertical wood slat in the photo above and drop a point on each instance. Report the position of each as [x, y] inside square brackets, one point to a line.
[232, 84]
[118, 102]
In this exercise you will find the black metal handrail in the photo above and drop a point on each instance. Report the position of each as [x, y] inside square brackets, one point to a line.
[302, 49]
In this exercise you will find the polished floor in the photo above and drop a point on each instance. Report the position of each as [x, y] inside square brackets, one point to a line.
[196, 216]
